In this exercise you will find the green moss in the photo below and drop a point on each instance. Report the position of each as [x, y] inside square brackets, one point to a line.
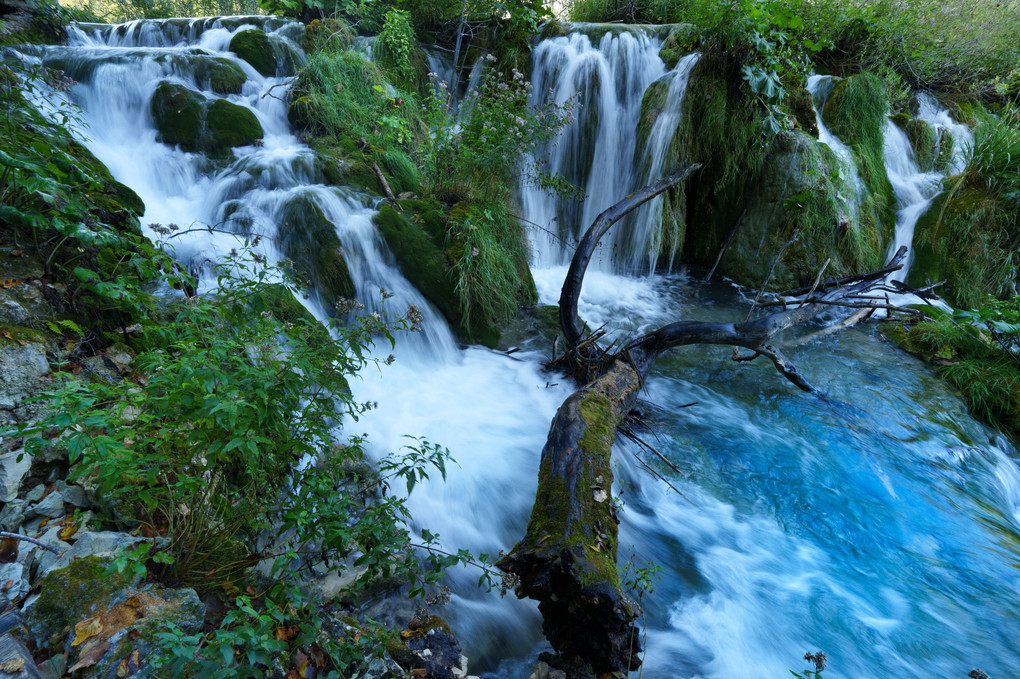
[16, 334]
[681, 41]
[310, 241]
[945, 151]
[855, 112]
[965, 239]
[70, 594]
[253, 46]
[228, 125]
[178, 114]
[922, 140]
[222, 75]
[801, 106]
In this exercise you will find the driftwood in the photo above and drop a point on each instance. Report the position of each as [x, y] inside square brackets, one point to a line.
[567, 558]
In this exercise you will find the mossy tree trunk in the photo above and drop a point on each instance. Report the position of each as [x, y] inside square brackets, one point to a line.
[567, 558]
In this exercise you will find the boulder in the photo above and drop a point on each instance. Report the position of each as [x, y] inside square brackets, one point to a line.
[14, 467]
[105, 544]
[178, 114]
[22, 365]
[189, 120]
[69, 594]
[229, 125]
[310, 241]
[220, 75]
[253, 46]
[51, 506]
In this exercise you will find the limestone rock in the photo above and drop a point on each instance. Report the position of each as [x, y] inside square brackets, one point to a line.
[21, 367]
[14, 467]
[51, 506]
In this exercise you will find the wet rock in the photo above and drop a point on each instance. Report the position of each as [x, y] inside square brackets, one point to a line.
[14, 467]
[309, 240]
[229, 125]
[178, 115]
[543, 671]
[253, 46]
[222, 76]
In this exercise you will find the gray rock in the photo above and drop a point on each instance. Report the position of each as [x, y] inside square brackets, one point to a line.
[37, 560]
[51, 506]
[120, 356]
[21, 368]
[12, 515]
[12, 472]
[35, 494]
[103, 543]
[18, 577]
[15, 660]
[73, 495]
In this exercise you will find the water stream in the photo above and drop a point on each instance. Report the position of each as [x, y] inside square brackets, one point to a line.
[878, 523]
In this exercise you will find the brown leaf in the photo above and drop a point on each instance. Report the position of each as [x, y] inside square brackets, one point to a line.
[8, 550]
[319, 656]
[287, 633]
[129, 665]
[75, 368]
[68, 530]
[86, 629]
[7, 585]
[91, 658]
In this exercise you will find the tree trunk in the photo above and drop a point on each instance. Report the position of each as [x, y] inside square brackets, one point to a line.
[567, 558]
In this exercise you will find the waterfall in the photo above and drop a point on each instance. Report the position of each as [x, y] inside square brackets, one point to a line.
[820, 87]
[596, 152]
[880, 524]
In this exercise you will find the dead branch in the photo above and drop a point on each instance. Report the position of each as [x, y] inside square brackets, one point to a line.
[722, 250]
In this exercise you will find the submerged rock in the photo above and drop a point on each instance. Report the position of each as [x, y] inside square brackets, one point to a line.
[221, 75]
[310, 241]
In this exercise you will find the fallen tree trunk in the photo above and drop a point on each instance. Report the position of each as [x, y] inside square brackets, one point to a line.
[567, 558]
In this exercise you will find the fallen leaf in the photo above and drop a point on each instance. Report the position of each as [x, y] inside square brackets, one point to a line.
[12, 665]
[129, 665]
[287, 633]
[86, 629]
[90, 658]
[68, 531]
[9, 283]
[8, 550]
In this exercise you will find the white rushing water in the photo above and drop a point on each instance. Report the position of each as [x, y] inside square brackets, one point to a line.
[879, 524]
[820, 86]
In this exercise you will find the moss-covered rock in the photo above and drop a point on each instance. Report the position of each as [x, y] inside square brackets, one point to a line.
[681, 41]
[310, 241]
[963, 239]
[253, 46]
[944, 157]
[187, 119]
[798, 193]
[922, 140]
[70, 594]
[178, 114]
[228, 125]
[801, 106]
[855, 112]
[221, 75]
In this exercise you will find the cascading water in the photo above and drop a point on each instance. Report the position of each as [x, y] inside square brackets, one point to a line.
[880, 524]
[820, 87]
